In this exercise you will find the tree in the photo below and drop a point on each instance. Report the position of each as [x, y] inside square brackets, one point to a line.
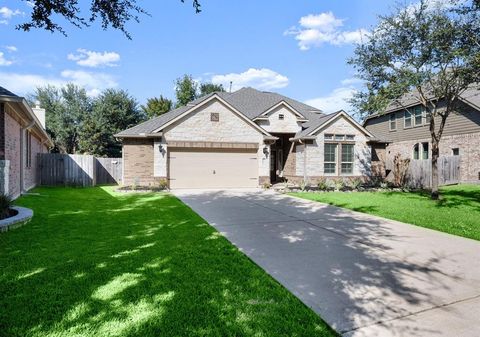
[65, 111]
[185, 90]
[157, 106]
[113, 111]
[114, 13]
[431, 52]
[208, 88]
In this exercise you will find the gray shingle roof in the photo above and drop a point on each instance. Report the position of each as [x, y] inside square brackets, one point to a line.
[5, 92]
[316, 123]
[248, 101]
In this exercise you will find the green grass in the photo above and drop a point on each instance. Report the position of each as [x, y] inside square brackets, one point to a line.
[93, 262]
[458, 212]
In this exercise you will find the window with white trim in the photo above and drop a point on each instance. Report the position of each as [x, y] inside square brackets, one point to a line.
[407, 119]
[330, 158]
[416, 151]
[328, 136]
[424, 150]
[393, 122]
[418, 115]
[347, 159]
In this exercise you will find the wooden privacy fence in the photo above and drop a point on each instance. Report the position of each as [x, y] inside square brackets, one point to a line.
[77, 170]
[419, 173]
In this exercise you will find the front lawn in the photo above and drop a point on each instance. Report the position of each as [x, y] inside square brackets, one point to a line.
[458, 212]
[93, 262]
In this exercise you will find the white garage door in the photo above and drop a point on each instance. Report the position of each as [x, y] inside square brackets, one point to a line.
[202, 168]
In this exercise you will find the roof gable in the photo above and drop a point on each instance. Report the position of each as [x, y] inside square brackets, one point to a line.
[287, 106]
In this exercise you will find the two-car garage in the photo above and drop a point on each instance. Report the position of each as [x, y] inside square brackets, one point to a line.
[213, 167]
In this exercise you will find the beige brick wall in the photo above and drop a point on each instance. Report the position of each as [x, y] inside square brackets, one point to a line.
[287, 125]
[138, 162]
[468, 144]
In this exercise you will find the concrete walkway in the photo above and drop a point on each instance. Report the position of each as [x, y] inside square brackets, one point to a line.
[364, 275]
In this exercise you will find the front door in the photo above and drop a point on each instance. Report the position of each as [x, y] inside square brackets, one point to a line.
[273, 166]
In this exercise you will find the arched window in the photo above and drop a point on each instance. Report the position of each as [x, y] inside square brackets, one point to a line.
[416, 151]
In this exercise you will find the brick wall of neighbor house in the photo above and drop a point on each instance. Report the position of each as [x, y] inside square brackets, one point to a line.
[12, 152]
[198, 127]
[138, 162]
[30, 173]
[468, 145]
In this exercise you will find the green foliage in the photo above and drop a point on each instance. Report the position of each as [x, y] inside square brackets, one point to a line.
[5, 205]
[322, 184]
[355, 183]
[113, 111]
[114, 13]
[157, 106]
[456, 213]
[185, 90]
[208, 88]
[93, 262]
[339, 184]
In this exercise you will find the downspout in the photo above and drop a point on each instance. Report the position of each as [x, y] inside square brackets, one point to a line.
[304, 159]
[22, 154]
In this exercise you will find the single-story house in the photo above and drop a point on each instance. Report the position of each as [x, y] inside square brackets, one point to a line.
[22, 137]
[244, 138]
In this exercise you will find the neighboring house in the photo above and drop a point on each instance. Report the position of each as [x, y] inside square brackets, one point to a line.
[244, 139]
[404, 129]
[22, 136]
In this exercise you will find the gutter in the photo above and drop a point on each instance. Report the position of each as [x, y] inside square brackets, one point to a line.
[140, 135]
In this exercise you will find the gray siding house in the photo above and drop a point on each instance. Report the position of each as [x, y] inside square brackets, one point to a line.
[404, 129]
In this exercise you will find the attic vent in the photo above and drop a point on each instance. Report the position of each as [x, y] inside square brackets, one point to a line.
[281, 116]
[214, 116]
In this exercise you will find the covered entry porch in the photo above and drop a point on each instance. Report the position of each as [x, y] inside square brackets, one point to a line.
[282, 158]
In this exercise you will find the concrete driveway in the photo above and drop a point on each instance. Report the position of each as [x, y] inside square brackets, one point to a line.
[364, 275]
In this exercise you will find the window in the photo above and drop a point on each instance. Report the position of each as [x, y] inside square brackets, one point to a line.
[214, 116]
[456, 151]
[416, 151]
[330, 158]
[418, 115]
[28, 161]
[339, 137]
[350, 137]
[428, 116]
[347, 159]
[393, 122]
[281, 116]
[328, 136]
[424, 150]
[407, 119]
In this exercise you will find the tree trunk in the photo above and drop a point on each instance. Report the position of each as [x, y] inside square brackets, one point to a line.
[435, 155]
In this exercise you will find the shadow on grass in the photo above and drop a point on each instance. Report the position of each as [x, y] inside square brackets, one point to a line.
[92, 263]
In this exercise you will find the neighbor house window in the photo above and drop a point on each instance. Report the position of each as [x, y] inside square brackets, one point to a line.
[214, 116]
[424, 150]
[418, 115]
[393, 122]
[328, 136]
[281, 116]
[347, 159]
[407, 119]
[428, 116]
[330, 158]
[456, 151]
[416, 151]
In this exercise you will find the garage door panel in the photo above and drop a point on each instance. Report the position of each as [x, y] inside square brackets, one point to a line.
[193, 168]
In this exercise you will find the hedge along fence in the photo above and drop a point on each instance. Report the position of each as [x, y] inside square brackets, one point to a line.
[77, 170]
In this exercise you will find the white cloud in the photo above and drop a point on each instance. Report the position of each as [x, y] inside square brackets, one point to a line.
[22, 84]
[6, 14]
[4, 61]
[262, 79]
[93, 59]
[314, 30]
[11, 48]
[338, 98]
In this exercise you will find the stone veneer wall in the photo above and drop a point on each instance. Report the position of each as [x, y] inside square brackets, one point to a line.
[468, 144]
[13, 153]
[138, 162]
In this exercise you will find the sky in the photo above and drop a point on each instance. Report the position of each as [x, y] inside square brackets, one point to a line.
[296, 48]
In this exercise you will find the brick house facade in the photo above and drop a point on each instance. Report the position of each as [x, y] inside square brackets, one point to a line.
[22, 137]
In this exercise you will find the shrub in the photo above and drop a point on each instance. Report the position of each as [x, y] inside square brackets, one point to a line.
[384, 185]
[163, 184]
[303, 185]
[339, 184]
[266, 185]
[5, 205]
[322, 184]
[355, 183]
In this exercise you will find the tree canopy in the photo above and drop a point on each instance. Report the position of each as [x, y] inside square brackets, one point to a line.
[157, 106]
[430, 50]
[112, 13]
[208, 88]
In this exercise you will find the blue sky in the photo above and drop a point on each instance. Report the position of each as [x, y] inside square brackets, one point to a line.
[297, 48]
